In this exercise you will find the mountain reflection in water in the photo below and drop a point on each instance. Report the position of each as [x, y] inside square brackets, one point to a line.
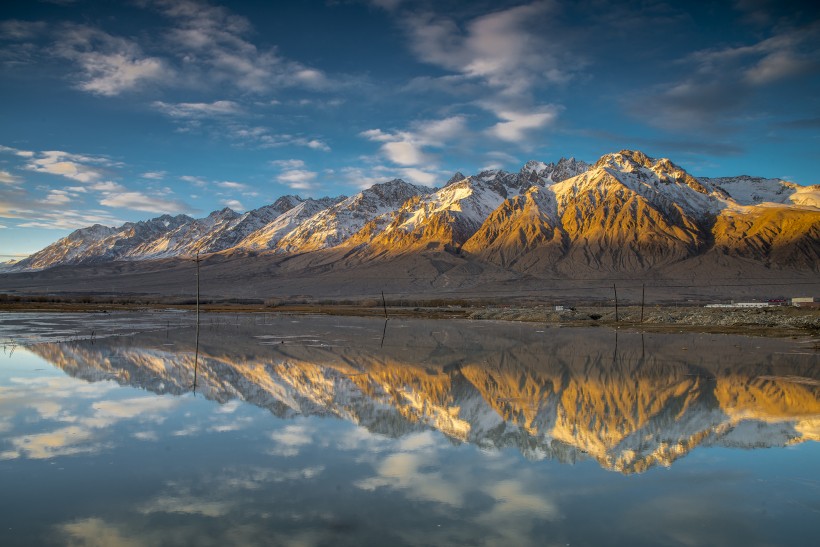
[628, 400]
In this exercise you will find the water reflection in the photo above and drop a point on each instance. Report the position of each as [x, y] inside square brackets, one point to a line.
[629, 401]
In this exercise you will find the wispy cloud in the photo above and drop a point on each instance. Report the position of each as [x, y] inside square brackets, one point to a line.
[517, 124]
[60, 219]
[722, 82]
[8, 178]
[16, 151]
[212, 41]
[154, 175]
[234, 204]
[57, 198]
[109, 65]
[230, 185]
[505, 52]
[405, 148]
[288, 164]
[298, 179]
[365, 177]
[139, 201]
[262, 137]
[79, 167]
[198, 110]
[199, 182]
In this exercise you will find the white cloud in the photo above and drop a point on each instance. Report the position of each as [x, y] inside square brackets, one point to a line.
[86, 169]
[418, 176]
[107, 186]
[298, 179]
[139, 201]
[110, 65]
[57, 198]
[154, 175]
[8, 178]
[404, 153]
[230, 185]
[196, 181]
[233, 204]
[63, 219]
[503, 56]
[517, 124]
[146, 436]
[405, 148]
[362, 178]
[15, 29]
[211, 43]
[317, 145]
[198, 110]
[16, 151]
[721, 83]
[262, 137]
[507, 49]
[775, 66]
[288, 164]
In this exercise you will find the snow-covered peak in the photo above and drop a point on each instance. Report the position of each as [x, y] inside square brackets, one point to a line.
[538, 172]
[747, 190]
[332, 226]
[458, 176]
[286, 203]
[533, 166]
[395, 191]
[223, 214]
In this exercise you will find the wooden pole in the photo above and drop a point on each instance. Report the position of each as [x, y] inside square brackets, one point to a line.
[616, 302]
[197, 292]
[384, 305]
[643, 299]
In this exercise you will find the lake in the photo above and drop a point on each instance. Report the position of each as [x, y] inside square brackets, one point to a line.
[123, 429]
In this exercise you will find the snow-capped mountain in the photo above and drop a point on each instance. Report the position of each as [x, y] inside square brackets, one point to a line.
[101, 243]
[268, 236]
[626, 213]
[336, 224]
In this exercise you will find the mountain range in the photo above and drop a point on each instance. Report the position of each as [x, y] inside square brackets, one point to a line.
[627, 214]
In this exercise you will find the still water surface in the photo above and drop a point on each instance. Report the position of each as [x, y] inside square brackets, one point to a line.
[302, 430]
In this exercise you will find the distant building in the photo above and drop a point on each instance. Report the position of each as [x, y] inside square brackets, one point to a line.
[740, 305]
[806, 302]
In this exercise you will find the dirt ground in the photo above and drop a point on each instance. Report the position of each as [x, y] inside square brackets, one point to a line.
[773, 320]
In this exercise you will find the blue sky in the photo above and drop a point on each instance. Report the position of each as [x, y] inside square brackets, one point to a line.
[121, 111]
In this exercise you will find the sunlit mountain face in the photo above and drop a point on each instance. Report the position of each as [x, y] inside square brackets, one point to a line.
[626, 400]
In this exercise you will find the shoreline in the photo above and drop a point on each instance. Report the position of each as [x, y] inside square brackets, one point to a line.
[777, 321]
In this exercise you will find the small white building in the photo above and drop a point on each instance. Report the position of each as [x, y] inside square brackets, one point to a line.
[807, 301]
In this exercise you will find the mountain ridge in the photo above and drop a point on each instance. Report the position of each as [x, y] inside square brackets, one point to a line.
[627, 212]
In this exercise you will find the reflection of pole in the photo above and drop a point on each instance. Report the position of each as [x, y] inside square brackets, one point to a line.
[196, 357]
[616, 302]
[384, 332]
[196, 347]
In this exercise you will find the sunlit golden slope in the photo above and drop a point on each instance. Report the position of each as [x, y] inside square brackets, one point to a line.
[786, 236]
[631, 213]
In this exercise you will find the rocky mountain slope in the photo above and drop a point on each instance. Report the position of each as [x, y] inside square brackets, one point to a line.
[627, 213]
